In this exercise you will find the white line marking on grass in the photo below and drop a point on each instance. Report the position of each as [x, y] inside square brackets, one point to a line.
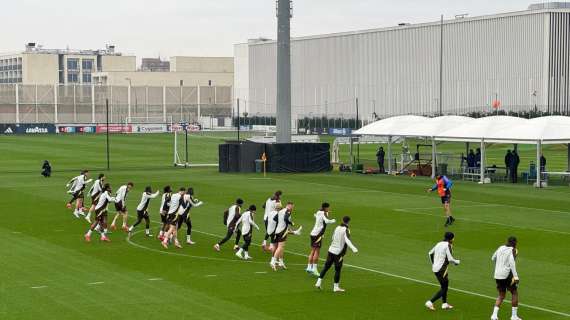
[155, 279]
[16, 232]
[355, 267]
[38, 287]
[211, 275]
[481, 221]
[261, 272]
[95, 283]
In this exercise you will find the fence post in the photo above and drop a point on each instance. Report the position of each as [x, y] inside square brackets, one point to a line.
[164, 104]
[36, 102]
[92, 103]
[129, 103]
[17, 103]
[198, 100]
[55, 92]
[74, 106]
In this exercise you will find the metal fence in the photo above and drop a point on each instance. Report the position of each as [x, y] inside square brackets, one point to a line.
[20, 103]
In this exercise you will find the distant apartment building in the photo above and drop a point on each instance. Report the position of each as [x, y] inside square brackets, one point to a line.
[40, 66]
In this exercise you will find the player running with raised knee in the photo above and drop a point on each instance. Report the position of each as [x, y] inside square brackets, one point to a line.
[443, 186]
[100, 223]
[172, 219]
[506, 277]
[284, 227]
[337, 250]
[142, 211]
[188, 202]
[77, 186]
[94, 192]
[317, 234]
[441, 257]
[231, 216]
[247, 222]
[121, 205]
[269, 207]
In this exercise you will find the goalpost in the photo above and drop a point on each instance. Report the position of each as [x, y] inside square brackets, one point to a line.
[181, 148]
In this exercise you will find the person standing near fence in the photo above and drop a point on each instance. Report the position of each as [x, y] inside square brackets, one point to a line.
[508, 160]
[380, 158]
[514, 166]
[542, 163]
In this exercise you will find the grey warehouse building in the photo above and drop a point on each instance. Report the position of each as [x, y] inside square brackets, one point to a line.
[521, 59]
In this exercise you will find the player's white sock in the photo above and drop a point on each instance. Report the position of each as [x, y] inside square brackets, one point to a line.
[309, 267]
[264, 243]
[105, 231]
[188, 238]
[89, 233]
[131, 229]
[98, 228]
[319, 281]
[335, 286]
[272, 261]
[240, 251]
[495, 312]
[88, 217]
[515, 309]
[147, 231]
[314, 267]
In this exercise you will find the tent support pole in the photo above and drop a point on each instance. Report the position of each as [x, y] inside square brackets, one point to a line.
[568, 157]
[482, 168]
[390, 155]
[538, 173]
[433, 158]
[351, 158]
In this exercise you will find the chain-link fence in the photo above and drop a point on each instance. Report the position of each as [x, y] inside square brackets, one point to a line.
[20, 103]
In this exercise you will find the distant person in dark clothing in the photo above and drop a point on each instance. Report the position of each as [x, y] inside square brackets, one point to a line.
[471, 159]
[514, 166]
[508, 160]
[380, 158]
[478, 158]
[542, 163]
[46, 169]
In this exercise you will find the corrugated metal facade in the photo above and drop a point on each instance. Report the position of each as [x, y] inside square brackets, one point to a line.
[521, 59]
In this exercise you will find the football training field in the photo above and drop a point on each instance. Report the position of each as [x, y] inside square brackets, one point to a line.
[48, 271]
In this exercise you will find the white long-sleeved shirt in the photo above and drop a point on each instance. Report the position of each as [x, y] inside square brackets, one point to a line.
[283, 220]
[165, 200]
[78, 183]
[121, 195]
[175, 203]
[340, 240]
[269, 206]
[247, 222]
[187, 203]
[104, 200]
[321, 222]
[441, 256]
[504, 259]
[145, 200]
[232, 211]
[271, 223]
[96, 188]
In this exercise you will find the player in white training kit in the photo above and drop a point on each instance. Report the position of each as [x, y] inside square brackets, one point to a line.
[76, 187]
[441, 257]
[188, 202]
[121, 205]
[231, 216]
[142, 211]
[506, 277]
[247, 222]
[100, 223]
[174, 210]
[271, 225]
[283, 228]
[94, 192]
[337, 250]
[163, 211]
[269, 206]
[317, 234]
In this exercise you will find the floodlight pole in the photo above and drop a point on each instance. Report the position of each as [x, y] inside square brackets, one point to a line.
[283, 71]
[107, 120]
[441, 67]
[238, 119]
[357, 127]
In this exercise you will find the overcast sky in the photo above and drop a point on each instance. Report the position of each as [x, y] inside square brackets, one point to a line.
[207, 27]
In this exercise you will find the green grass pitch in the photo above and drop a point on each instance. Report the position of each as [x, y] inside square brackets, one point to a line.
[49, 272]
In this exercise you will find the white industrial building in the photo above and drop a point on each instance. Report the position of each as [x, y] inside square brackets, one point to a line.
[521, 59]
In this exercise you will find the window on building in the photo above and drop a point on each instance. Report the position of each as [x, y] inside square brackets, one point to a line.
[87, 64]
[86, 78]
[72, 64]
[72, 77]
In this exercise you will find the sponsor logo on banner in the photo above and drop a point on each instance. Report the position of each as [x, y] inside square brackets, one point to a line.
[340, 131]
[114, 129]
[39, 128]
[8, 131]
[76, 129]
[194, 127]
[66, 129]
[150, 128]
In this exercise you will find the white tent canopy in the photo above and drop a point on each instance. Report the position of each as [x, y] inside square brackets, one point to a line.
[498, 129]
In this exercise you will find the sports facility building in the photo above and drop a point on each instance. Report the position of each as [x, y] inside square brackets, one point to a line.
[517, 61]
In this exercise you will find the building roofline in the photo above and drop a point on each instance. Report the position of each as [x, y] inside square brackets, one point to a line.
[414, 26]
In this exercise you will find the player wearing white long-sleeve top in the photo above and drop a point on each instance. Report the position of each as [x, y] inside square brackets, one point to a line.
[100, 223]
[271, 225]
[283, 228]
[121, 205]
[317, 234]
[176, 201]
[441, 256]
[94, 192]
[77, 186]
[163, 211]
[340, 242]
[142, 211]
[188, 202]
[269, 207]
[231, 216]
[506, 277]
[247, 225]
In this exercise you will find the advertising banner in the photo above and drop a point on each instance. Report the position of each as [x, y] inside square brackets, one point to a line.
[150, 128]
[76, 129]
[340, 131]
[7, 128]
[114, 128]
[28, 128]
